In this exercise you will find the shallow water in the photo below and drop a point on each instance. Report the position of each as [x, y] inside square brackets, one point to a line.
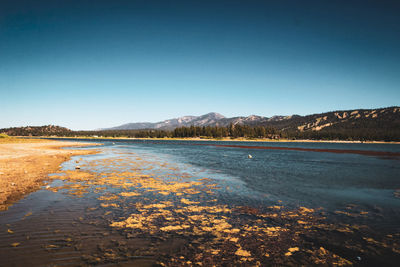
[296, 207]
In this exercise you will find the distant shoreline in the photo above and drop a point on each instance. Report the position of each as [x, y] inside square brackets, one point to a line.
[224, 140]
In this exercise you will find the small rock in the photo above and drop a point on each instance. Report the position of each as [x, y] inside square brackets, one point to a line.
[47, 186]
[77, 167]
[250, 156]
[13, 184]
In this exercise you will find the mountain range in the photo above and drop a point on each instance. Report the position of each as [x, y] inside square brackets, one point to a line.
[355, 124]
[209, 119]
[357, 118]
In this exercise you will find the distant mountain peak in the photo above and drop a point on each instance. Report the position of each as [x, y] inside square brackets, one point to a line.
[211, 118]
[215, 114]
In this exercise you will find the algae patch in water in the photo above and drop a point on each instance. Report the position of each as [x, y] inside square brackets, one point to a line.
[141, 198]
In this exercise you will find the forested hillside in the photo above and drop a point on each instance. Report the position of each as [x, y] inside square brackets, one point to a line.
[373, 124]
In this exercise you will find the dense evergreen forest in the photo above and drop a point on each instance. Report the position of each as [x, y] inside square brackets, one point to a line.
[363, 133]
[180, 132]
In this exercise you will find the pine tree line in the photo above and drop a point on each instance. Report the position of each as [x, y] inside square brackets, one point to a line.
[363, 132]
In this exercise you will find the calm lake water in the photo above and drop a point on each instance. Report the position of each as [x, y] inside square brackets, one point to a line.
[355, 200]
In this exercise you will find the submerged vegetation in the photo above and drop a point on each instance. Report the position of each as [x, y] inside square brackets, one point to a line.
[142, 198]
[148, 208]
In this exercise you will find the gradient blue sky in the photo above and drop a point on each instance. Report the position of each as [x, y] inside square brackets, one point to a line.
[93, 64]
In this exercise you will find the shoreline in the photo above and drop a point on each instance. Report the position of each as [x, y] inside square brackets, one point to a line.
[222, 140]
[26, 163]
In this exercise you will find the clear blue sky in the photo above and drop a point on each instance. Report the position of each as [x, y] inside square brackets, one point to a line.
[93, 64]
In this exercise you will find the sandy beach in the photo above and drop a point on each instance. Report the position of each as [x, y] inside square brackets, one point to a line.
[25, 163]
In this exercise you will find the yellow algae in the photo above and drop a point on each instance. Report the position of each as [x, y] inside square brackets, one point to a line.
[344, 230]
[193, 209]
[209, 209]
[112, 197]
[207, 229]
[251, 228]
[105, 205]
[221, 225]
[322, 255]
[209, 226]
[350, 214]
[77, 175]
[135, 221]
[174, 227]
[191, 191]
[234, 239]
[196, 217]
[129, 194]
[373, 241]
[215, 251]
[243, 253]
[275, 207]
[273, 231]
[305, 210]
[158, 205]
[188, 202]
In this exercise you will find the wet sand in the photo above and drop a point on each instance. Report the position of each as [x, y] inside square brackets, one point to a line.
[24, 163]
